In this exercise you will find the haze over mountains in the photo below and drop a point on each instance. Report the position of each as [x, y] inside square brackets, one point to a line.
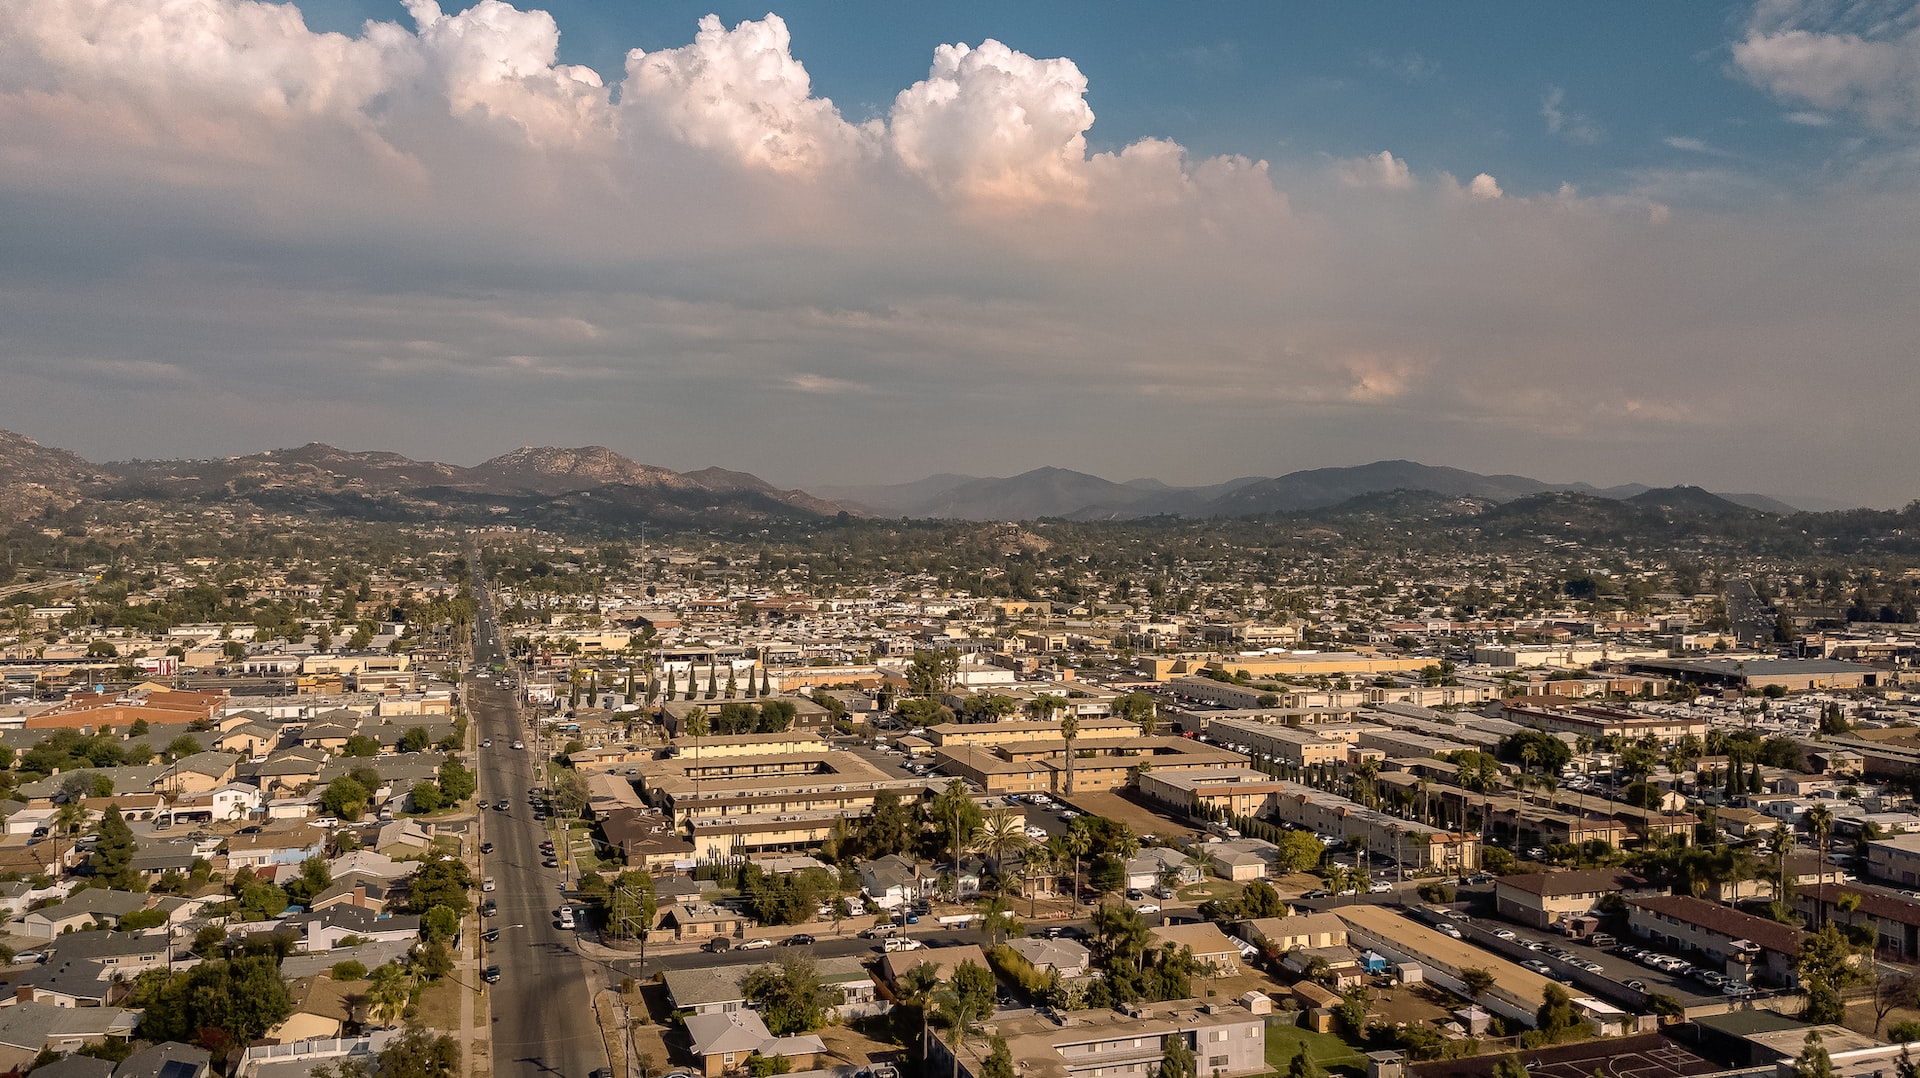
[594, 484]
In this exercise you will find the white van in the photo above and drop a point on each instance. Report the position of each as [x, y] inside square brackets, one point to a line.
[566, 917]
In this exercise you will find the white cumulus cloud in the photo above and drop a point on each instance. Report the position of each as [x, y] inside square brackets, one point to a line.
[742, 91]
[995, 124]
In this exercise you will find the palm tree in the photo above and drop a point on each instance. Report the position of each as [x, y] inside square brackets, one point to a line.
[916, 990]
[1203, 861]
[1820, 822]
[1069, 730]
[1077, 841]
[1037, 865]
[1001, 834]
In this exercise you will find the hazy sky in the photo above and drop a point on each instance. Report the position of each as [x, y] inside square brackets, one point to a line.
[861, 242]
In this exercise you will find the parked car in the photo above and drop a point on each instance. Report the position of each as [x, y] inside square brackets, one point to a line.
[901, 943]
[798, 939]
[1537, 966]
[491, 935]
[1505, 934]
[500, 805]
[758, 943]
[1318, 892]
[486, 847]
[879, 932]
[491, 974]
[1380, 888]
[487, 884]
[488, 909]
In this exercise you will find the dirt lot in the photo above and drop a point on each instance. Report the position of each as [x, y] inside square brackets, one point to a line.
[1142, 820]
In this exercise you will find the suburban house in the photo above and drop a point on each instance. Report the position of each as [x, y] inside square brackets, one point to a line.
[1217, 953]
[721, 1043]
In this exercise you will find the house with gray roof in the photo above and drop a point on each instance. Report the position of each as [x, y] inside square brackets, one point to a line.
[27, 1028]
[168, 1059]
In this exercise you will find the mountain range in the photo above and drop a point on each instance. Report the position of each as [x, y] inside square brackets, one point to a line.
[594, 485]
[1057, 492]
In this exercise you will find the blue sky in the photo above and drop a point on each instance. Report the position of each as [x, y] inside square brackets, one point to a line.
[841, 243]
[1455, 87]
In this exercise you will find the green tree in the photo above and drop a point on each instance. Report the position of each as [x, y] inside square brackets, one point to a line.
[1813, 1060]
[440, 923]
[1303, 1066]
[457, 781]
[315, 877]
[1510, 1067]
[220, 1004]
[344, 798]
[426, 796]
[360, 746]
[419, 1053]
[1176, 1057]
[631, 904]
[1827, 966]
[112, 857]
[791, 997]
[415, 739]
[181, 747]
[999, 1063]
[444, 882]
[1478, 981]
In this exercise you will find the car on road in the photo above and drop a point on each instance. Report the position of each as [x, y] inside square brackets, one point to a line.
[1446, 929]
[1346, 892]
[486, 742]
[798, 939]
[1637, 986]
[500, 805]
[486, 884]
[519, 744]
[1318, 892]
[1735, 988]
[1537, 966]
[759, 943]
[1038, 834]
[1592, 967]
[901, 943]
[879, 932]
[488, 908]
[491, 974]
[551, 862]
[566, 916]
[486, 847]
[1147, 907]
[1505, 934]
[1380, 888]
[491, 935]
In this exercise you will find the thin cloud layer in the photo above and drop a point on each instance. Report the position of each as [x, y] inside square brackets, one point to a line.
[230, 231]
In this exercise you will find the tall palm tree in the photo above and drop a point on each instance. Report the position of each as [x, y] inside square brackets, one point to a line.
[1077, 841]
[1037, 865]
[1069, 730]
[1820, 823]
[1001, 834]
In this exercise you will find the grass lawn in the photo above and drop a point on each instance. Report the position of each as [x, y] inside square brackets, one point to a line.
[1325, 1049]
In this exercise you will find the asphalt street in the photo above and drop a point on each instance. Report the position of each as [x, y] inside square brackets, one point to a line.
[543, 1020]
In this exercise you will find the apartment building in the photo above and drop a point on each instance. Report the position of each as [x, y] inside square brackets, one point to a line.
[1226, 1039]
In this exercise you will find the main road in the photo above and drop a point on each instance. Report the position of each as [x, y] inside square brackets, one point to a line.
[543, 1017]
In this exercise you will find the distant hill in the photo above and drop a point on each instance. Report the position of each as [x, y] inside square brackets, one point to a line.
[34, 478]
[587, 484]
[1058, 492]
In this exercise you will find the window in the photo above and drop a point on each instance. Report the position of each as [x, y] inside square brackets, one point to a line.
[1217, 1062]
